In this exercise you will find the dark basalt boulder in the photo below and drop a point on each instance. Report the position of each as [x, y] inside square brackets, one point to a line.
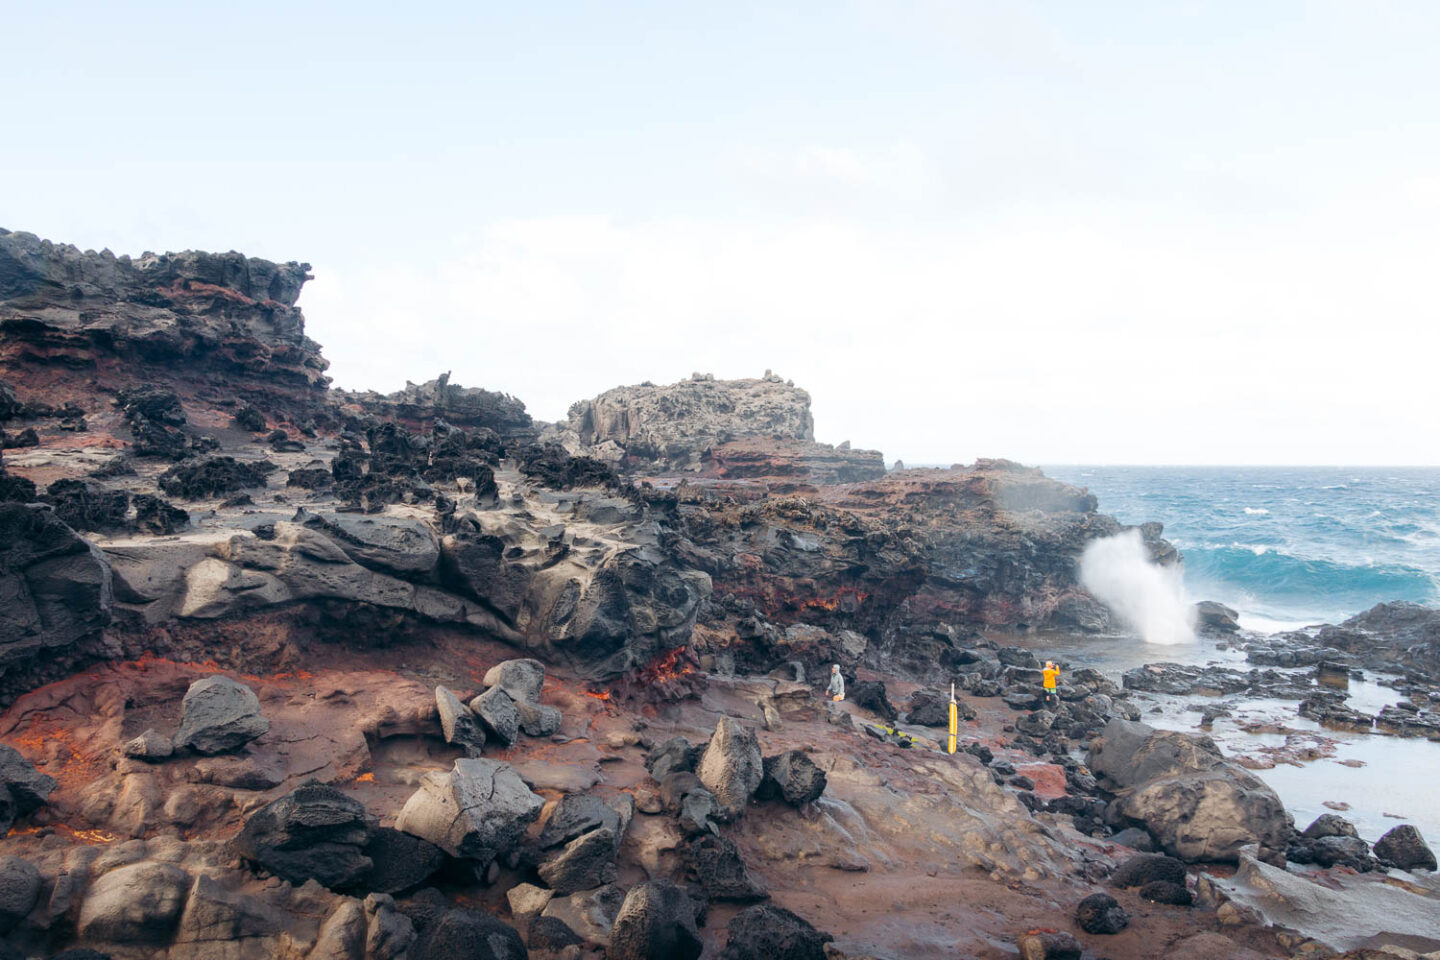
[468, 935]
[157, 516]
[10, 405]
[1405, 848]
[55, 587]
[931, 709]
[314, 833]
[1099, 913]
[87, 505]
[768, 932]
[309, 478]
[1148, 868]
[213, 476]
[1333, 850]
[16, 441]
[248, 418]
[870, 694]
[399, 862]
[656, 922]
[19, 891]
[458, 724]
[731, 767]
[1159, 891]
[792, 777]
[552, 465]
[552, 934]
[1212, 617]
[219, 715]
[498, 715]
[716, 865]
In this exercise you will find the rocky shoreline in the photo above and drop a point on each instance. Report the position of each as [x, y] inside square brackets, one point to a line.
[292, 671]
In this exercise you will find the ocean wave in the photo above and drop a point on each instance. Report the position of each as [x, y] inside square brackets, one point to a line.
[1274, 575]
[1256, 511]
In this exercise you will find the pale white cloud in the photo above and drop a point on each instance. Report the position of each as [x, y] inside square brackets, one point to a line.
[1069, 336]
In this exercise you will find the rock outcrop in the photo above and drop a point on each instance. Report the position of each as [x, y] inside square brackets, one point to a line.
[1197, 805]
[221, 324]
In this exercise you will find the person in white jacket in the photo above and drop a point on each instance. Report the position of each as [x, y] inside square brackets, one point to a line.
[836, 690]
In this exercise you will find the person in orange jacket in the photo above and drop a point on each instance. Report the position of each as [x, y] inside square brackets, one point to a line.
[1051, 674]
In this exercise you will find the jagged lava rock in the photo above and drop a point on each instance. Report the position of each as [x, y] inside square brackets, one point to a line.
[468, 935]
[1100, 913]
[585, 863]
[793, 777]
[656, 922]
[498, 715]
[23, 789]
[313, 833]
[717, 866]
[458, 724]
[219, 715]
[19, 891]
[731, 767]
[479, 809]
[768, 932]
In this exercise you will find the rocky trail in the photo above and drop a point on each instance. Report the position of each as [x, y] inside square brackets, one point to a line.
[295, 672]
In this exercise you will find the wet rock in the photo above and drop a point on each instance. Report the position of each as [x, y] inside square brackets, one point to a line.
[1159, 891]
[578, 814]
[1048, 945]
[792, 777]
[768, 932]
[315, 832]
[399, 861]
[1212, 617]
[150, 746]
[1099, 913]
[19, 891]
[1405, 848]
[656, 922]
[731, 767]
[140, 903]
[1196, 804]
[458, 723]
[468, 935]
[674, 755]
[498, 715]
[214, 476]
[219, 715]
[478, 810]
[587, 862]
[1148, 868]
[715, 863]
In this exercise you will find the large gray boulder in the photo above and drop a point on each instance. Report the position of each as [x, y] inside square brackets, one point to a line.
[792, 777]
[140, 903]
[55, 586]
[478, 810]
[19, 889]
[522, 679]
[579, 813]
[219, 715]
[314, 833]
[731, 767]
[656, 922]
[1197, 805]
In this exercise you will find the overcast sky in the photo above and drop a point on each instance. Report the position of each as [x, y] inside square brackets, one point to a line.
[1057, 232]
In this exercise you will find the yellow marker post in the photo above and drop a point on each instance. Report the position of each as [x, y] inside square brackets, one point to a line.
[954, 718]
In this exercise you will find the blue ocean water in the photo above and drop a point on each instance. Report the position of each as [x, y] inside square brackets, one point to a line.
[1286, 546]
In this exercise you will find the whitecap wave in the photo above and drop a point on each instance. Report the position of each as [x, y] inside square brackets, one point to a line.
[1256, 511]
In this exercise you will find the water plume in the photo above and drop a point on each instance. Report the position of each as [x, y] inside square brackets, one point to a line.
[1147, 597]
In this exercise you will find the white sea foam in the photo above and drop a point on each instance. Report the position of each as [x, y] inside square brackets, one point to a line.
[1148, 597]
[1256, 511]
